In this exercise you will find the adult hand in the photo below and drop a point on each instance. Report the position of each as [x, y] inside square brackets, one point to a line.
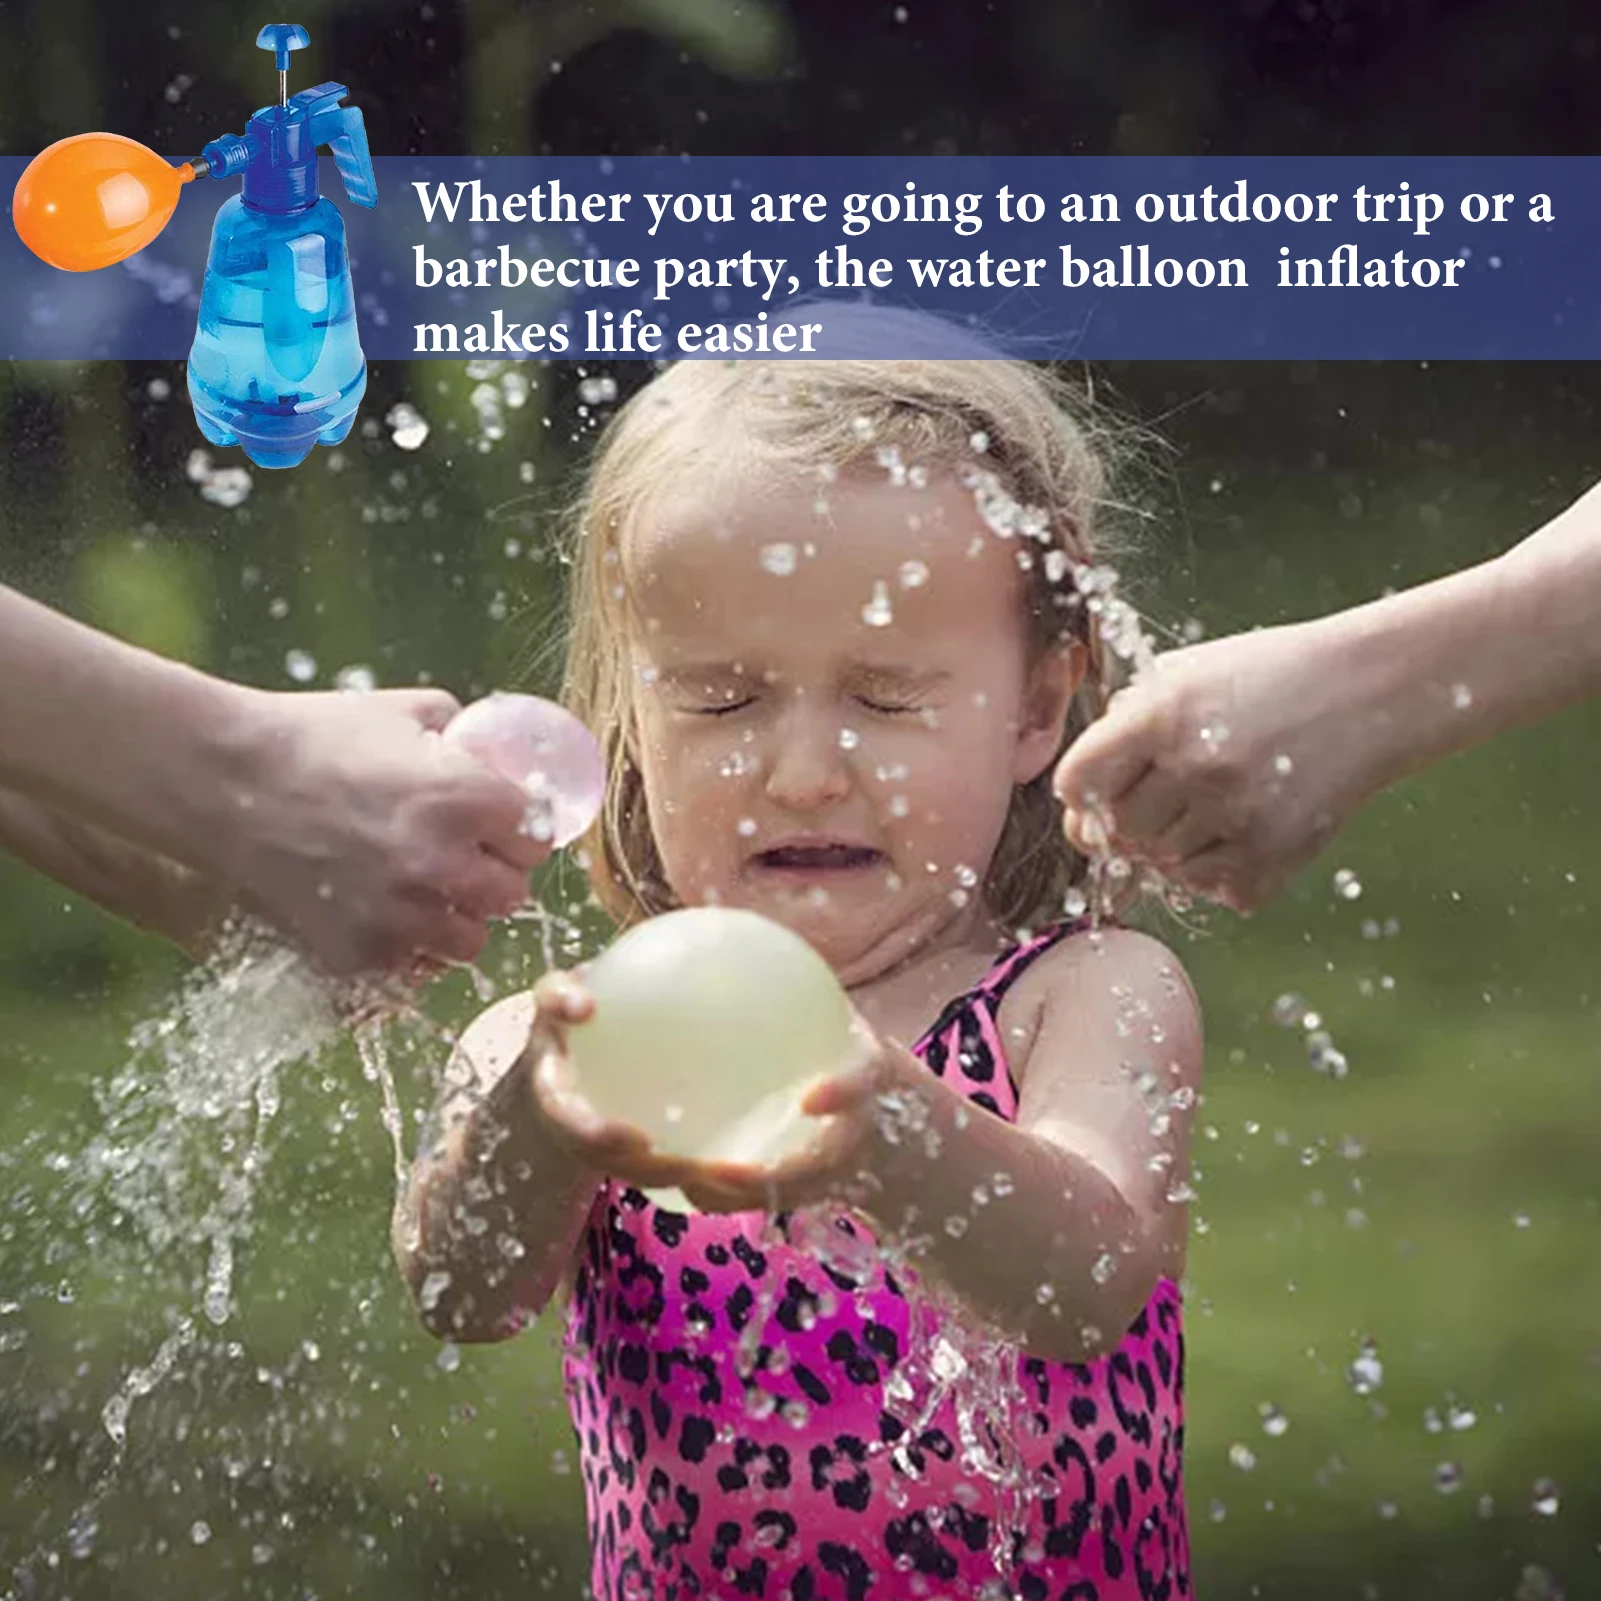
[347, 823]
[1230, 764]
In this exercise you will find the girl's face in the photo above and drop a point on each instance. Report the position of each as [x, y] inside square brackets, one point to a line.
[834, 706]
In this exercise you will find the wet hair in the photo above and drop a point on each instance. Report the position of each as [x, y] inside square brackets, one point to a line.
[1023, 441]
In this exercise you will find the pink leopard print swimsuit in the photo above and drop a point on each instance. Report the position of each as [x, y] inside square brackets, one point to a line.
[773, 1473]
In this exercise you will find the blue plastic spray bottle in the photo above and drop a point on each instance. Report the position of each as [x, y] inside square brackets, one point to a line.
[276, 365]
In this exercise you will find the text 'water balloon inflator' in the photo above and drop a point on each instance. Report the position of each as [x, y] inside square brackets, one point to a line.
[276, 364]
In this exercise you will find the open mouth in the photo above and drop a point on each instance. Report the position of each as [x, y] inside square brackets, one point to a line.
[819, 858]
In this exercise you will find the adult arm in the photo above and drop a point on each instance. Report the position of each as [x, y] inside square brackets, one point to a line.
[1233, 763]
[331, 815]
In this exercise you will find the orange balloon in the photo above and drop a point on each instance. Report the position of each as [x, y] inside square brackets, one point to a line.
[95, 199]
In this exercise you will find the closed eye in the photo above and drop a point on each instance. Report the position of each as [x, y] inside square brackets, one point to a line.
[722, 708]
[886, 708]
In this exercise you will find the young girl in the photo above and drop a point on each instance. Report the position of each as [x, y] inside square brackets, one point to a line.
[834, 623]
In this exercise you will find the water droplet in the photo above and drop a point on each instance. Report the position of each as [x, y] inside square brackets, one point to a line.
[158, 389]
[199, 1531]
[408, 428]
[449, 1358]
[225, 486]
[913, 574]
[355, 680]
[878, 613]
[1536, 1583]
[1461, 697]
[1324, 1057]
[1347, 885]
[849, 739]
[1448, 1478]
[114, 1418]
[1461, 1418]
[1242, 1457]
[979, 441]
[779, 560]
[956, 1226]
[301, 666]
[433, 1287]
[1283, 766]
[1289, 1010]
[1547, 1498]
[1103, 1268]
[1366, 1373]
[1274, 1422]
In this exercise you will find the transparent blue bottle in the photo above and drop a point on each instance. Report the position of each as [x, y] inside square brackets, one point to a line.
[277, 366]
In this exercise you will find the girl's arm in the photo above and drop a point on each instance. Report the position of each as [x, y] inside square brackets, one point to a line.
[494, 1211]
[1075, 1225]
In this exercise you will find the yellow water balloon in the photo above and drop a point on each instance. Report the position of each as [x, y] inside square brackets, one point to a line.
[95, 199]
[709, 1026]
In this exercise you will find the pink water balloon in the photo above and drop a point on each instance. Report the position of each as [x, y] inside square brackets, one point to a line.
[543, 747]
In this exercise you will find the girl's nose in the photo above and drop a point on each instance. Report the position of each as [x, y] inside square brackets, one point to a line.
[807, 767]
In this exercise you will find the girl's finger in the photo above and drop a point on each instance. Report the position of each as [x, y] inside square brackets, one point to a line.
[712, 1197]
[850, 1087]
[556, 1089]
[562, 998]
[838, 1093]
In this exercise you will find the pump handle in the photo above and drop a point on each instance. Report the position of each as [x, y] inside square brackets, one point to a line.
[281, 38]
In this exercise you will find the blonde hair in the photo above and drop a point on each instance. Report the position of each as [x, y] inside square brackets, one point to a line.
[1012, 431]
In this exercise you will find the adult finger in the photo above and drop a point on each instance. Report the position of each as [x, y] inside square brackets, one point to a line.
[488, 887]
[495, 811]
[1219, 873]
[1195, 832]
[454, 935]
[1146, 810]
[1108, 758]
[430, 708]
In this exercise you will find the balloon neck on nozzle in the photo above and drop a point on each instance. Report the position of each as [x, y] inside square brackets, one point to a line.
[277, 154]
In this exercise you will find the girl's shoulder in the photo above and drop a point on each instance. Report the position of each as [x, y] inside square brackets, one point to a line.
[497, 1036]
[1083, 973]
